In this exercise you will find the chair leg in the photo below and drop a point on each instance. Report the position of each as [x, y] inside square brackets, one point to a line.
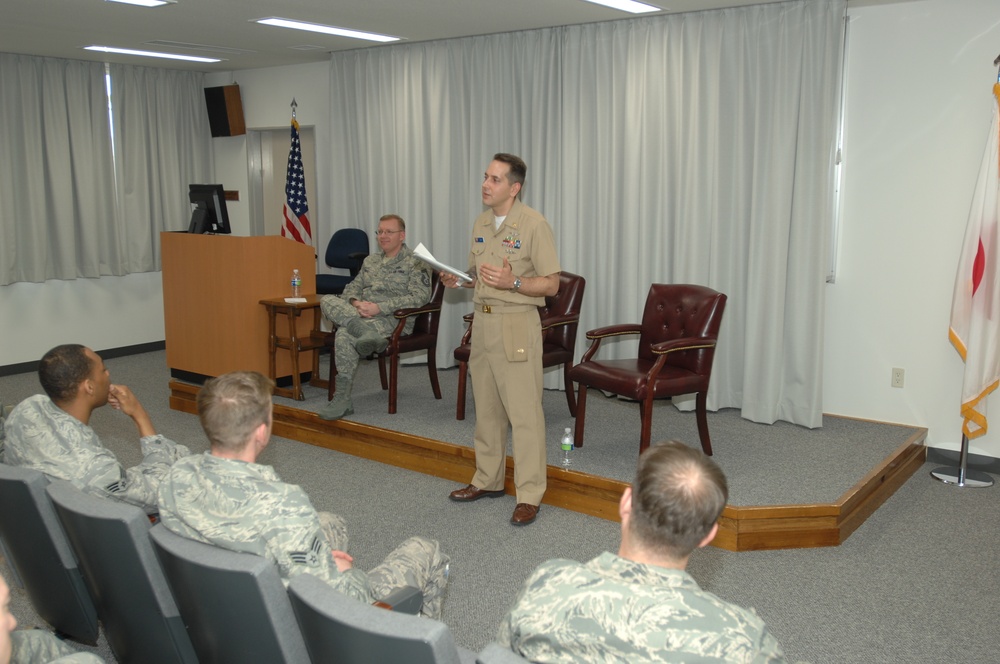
[433, 371]
[646, 413]
[463, 374]
[581, 416]
[381, 372]
[568, 386]
[701, 408]
[393, 381]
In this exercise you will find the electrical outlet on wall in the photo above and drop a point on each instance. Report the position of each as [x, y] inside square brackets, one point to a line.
[897, 377]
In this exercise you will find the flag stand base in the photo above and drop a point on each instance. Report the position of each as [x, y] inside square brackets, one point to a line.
[973, 479]
[960, 476]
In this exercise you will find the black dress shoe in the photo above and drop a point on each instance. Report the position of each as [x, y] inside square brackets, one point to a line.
[470, 493]
[524, 514]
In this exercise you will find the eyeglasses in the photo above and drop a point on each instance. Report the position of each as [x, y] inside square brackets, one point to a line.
[386, 232]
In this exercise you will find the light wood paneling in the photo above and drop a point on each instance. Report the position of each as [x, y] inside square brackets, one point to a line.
[212, 287]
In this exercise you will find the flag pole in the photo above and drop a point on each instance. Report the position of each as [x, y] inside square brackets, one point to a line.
[962, 476]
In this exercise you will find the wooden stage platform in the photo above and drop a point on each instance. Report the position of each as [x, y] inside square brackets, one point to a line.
[741, 528]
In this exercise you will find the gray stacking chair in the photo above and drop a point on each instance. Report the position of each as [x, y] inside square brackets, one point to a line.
[338, 628]
[495, 653]
[42, 555]
[234, 604]
[134, 603]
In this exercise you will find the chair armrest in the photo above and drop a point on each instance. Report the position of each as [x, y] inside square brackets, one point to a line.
[400, 314]
[556, 321]
[600, 333]
[614, 331]
[468, 317]
[404, 600]
[686, 343]
[358, 255]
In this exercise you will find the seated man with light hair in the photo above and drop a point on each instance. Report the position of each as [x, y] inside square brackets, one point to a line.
[225, 498]
[51, 432]
[641, 605]
[392, 278]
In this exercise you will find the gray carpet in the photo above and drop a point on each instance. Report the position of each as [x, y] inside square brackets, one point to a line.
[766, 464]
[915, 583]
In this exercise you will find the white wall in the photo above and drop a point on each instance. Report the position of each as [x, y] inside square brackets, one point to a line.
[101, 313]
[919, 100]
[919, 107]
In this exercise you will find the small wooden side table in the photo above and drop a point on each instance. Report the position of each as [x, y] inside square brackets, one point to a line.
[293, 343]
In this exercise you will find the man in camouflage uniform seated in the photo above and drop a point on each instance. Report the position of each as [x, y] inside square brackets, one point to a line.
[224, 497]
[33, 646]
[389, 280]
[51, 432]
[641, 605]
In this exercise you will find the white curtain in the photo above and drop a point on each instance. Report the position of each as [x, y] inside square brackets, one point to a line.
[163, 143]
[691, 148]
[57, 206]
[64, 213]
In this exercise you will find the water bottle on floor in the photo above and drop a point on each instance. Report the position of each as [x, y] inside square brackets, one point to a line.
[567, 447]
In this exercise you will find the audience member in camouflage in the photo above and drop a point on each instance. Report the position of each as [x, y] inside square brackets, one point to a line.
[389, 280]
[641, 605]
[52, 434]
[33, 646]
[227, 499]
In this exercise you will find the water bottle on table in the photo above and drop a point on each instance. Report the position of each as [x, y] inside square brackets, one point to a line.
[296, 283]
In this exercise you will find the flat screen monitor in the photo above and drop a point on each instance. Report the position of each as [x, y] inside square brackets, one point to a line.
[208, 209]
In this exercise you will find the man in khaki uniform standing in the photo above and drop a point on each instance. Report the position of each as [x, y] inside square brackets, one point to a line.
[514, 267]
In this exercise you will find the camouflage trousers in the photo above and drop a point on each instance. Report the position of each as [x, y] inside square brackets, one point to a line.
[36, 645]
[341, 312]
[416, 562]
[335, 529]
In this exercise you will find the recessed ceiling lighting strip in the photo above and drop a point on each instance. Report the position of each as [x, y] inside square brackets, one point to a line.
[630, 6]
[145, 3]
[325, 29]
[150, 54]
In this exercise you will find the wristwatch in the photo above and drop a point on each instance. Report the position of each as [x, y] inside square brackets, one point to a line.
[517, 283]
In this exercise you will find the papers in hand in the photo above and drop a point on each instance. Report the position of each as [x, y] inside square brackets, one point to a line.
[420, 251]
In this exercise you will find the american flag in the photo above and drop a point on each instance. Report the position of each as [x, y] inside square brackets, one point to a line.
[296, 209]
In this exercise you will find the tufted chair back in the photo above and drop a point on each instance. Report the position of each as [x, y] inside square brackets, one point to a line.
[675, 311]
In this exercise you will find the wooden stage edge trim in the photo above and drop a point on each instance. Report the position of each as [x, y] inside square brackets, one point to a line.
[751, 528]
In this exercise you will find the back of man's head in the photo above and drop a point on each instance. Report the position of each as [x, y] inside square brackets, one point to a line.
[677, 497]
[62, 369]
[232, 406]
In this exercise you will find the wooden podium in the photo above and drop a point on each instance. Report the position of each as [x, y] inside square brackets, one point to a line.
[212, 288]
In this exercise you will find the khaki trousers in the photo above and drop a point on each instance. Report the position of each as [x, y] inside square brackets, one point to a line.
[509, 392]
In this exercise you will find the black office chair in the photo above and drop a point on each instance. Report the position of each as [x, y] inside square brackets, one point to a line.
[134, 602]
[234, 604]
[338, 628]
[347, 250]
[42, 555]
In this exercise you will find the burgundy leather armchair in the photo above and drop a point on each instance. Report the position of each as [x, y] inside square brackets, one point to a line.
[677, 338]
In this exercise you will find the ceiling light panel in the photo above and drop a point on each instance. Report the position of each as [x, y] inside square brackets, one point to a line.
[150, 54]
[325, 29]
[630, 6]
[145, 3]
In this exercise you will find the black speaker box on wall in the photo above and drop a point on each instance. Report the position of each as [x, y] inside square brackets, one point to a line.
[225, 110]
